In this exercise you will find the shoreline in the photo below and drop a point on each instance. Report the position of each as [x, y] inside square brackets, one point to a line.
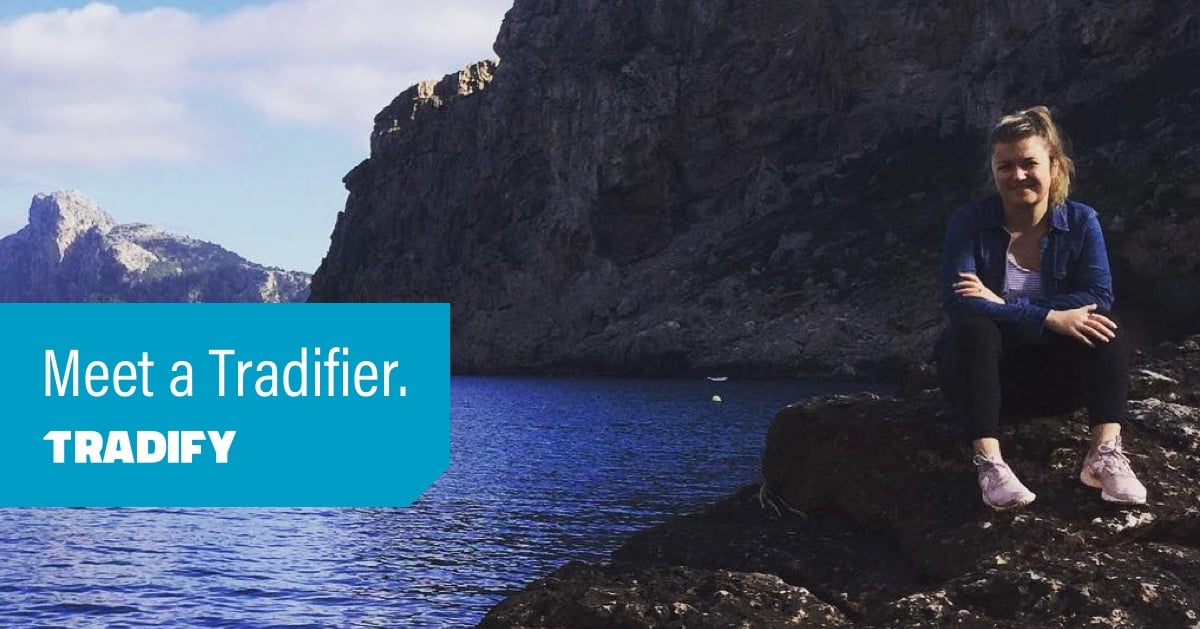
[856, 549]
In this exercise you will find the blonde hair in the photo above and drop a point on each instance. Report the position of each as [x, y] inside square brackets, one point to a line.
[1037, 121]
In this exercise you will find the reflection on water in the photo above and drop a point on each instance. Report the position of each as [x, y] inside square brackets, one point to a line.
[543, 470]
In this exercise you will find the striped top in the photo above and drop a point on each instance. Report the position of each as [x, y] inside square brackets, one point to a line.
[1020, 281]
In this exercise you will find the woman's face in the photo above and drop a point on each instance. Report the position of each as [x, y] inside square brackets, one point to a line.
[1022, 172]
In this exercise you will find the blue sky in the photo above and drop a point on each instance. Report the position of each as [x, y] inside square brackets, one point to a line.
[228, 121]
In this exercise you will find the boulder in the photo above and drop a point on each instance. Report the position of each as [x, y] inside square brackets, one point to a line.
[870, 505]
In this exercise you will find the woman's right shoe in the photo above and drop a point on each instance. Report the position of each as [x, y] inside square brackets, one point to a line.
[1000, 486]
[1107, 468]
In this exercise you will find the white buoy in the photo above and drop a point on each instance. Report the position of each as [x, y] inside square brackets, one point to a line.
[716, 398]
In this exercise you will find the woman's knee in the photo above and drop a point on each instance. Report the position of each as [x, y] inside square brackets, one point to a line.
[976, 335]
[1100, 357]
[1116, 347]
[1114, 352]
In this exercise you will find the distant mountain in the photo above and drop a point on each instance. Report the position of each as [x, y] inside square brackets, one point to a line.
[71, 250]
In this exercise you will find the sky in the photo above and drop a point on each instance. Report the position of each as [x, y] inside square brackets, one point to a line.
[232, 122]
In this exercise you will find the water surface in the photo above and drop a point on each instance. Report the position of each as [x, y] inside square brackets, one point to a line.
[543, 470]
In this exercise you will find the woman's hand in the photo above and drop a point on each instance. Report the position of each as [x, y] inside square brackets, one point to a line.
[1082, 324]
[972, 286]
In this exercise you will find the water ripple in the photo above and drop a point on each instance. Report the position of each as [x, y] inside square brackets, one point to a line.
[543, 470]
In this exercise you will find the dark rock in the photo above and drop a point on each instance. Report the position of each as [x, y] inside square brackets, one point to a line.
[787, 163]
[603, 597]
[870, 505]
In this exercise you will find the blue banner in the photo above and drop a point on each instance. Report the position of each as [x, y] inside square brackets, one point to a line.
[213, 405]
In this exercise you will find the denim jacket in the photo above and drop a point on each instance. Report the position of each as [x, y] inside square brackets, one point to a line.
[1074, 266]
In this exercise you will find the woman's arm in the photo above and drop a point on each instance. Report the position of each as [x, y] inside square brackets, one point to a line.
[958, 256]
[1089, 282]
[1079, 312]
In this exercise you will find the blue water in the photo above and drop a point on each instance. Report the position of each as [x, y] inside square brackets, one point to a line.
[543, 470]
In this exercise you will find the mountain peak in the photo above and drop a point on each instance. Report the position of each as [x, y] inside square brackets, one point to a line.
[74, 251]
[64, 215]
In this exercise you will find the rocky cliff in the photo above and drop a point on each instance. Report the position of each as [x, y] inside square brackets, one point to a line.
[870, 516]
[758, 186]
[71, 250]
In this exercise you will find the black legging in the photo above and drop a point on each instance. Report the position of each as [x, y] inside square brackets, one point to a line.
[982, 372]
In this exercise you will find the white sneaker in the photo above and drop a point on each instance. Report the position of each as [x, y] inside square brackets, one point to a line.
[1107, 468]
[1001, 488]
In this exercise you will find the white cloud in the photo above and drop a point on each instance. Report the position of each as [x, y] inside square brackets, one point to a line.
[343, 95]
[98, 44]
[95, 87]
[100, 87]
[320, 29]
[102, 132]
[337, 62]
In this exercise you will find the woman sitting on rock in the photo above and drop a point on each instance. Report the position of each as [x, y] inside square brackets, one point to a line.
[1026, 283]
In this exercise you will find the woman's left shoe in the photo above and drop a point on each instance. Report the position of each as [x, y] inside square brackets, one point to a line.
[1107, 468]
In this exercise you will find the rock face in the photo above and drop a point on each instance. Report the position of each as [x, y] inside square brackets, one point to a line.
[71, 250]
[758, 186]
[870, 507]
